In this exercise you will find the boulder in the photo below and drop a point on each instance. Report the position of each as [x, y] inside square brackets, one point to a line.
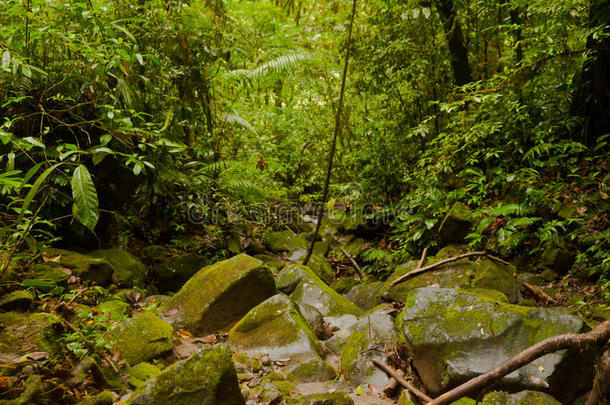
[314, 319]
[330, 398]
[103, 398]
[18, 299]
[320, 266]
[141, 338]
[284, 241]
[171, 275]
[482, 273]
[90, 268]
[519, 398]
[456, 335]
[277, 328]
[457, 224]
[48, 272]
[558, 258]
[335, 308]
[142, 372]
[364, 295]
[115, 309]
[207, 377]
[22, 334]
[129, 271]
[219, 295]
[344, 285]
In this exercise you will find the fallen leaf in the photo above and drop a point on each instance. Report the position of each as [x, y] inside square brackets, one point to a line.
[51, 259]
[184, 333]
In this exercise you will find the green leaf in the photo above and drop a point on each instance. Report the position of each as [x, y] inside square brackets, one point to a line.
[85, 197]
[35, 187]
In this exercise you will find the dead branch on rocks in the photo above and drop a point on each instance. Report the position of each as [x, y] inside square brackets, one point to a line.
[539, 295]
[445, 261]
[354, 263]
[582, 342]
[402, 381]
[600, 394]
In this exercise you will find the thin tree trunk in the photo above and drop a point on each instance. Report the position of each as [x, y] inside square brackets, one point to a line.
[455, 40]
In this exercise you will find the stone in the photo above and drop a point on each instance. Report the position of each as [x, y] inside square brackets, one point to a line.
[115, 309]
[457, 224]
[141, 338]
[47, 272]
[273, 262]
[207, 377]
[558, 258]
[90, 268]
[171, 275]
[519, 398]
[364, 295]
[284, 241]
[276, 328]
[482, 273]
[331, 398]
[128, 269]
[320, 266]
[457, 335]
[18, 299]
[141, 373]
[27, 333]
[314, 319]
[219, 295]
[103, 398]
[344, 285]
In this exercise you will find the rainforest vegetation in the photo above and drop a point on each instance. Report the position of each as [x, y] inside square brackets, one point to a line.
[181, 133]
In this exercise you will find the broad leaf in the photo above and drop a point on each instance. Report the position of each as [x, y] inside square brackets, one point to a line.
[85, 197]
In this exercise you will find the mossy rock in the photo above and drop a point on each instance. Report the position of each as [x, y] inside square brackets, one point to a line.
[466, 274]
[311, 370]
[219, 295]
[330, 398]
[103, 398]
[171, 275]
[457, 224]
[344, 285]
[207, 377]
[456, 335]
[290, 276]
[129, 271]
[519, 398]
[90, 268]
[320, 266]
[115, 309]
[364, 295]
[273, 262]
[558, 258]
[141, 338]
[142, 372]
[314, 319]
[33, 387]
[18, 299]
[284, 241]
[47, 272]
[30, 332]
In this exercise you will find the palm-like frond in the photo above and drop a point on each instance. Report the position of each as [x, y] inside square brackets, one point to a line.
[281, 63]
[237, 119]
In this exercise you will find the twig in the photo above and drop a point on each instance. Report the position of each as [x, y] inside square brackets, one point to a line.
[540, 295]
[424, 256]
[353, 262]
[402, 381]
[449, 260]
[582, 341]
[392, 385]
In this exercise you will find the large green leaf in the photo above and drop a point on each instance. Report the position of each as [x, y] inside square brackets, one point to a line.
[85, 198]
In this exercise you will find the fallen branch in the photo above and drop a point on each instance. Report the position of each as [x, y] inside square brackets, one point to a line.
[600, 393]
[402, 381]
[424, 256]
[449, 260]
[582, 341]
[392, 385]
[354, 263]
[539, 295]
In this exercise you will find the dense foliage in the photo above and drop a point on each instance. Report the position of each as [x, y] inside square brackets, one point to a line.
[137, 120]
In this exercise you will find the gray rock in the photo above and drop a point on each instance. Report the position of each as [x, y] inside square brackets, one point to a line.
[364, 295]
[127, 268]
[90, 268]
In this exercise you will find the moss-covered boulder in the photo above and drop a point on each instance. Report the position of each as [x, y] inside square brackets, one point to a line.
[284, 241]
[374, 331]
[457, 224]
[519, 398]
[457, 334]
[330, 398]
[273, 262]
[141, 338]
[335, 308]
[557, 257]
[364, 295]
[207, 377]
[314, 319]
[172, 274]
[290, 276]
[18, 299]
[219, 295]
[24, 333]
[87, 267]
[103, 398]
[277, 328]
[115, 309]
[141, 373]
[320, 266]
[49, 272]
[481, 273]
[344, 285]
[129, 271]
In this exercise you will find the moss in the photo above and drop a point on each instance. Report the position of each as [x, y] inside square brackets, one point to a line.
[21, 299]
[492, 275]
[343, 285]
[330, 398]
[103, 398]
[172, 274]
[116, 310]
[23, 333]
[523, 397]
[313, 369]
[45, 271]
[128, 269]
[220, 294]
[284, 241]
[141, 373]
[89, 268]
[141, 338]
[319, 265]
[206, 377]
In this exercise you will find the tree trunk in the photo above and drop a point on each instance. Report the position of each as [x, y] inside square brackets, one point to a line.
[591, 99]
[455, 40]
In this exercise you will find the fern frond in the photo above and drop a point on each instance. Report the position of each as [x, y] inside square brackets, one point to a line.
[281, 63]
[242, 187]
[237, 119]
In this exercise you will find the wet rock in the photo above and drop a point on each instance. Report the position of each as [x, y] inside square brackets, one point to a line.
[47, 272]
[219, 295]
[27, 333]
[207, 377]
[142, 372]
[333, 398]
[141, 338]
[90, 268]
[284, 241]
[315, 320]
[274, 263]
[457, 224]
[277, 328]
[520, 398]
[129, 271]
[320, 266]
[344, 285]
[364, 295]
[18, 299]
[115, 309]
[558, 258]
[482, 273]
[456, 335]
[174, 273]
